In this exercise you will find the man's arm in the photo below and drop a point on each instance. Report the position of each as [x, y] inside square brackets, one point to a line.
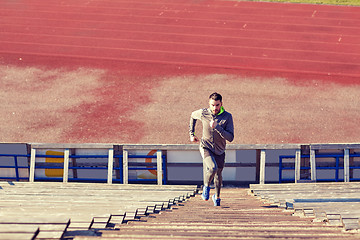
[194, 117]
[228, 132]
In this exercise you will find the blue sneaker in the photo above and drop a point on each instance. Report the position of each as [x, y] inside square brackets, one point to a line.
[206, 193]
[216, 200]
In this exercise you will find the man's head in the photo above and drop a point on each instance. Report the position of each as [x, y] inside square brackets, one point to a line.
[215, 103]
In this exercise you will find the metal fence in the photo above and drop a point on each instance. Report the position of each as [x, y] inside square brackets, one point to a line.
[120, 154]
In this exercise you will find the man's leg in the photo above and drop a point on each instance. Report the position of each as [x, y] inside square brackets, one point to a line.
[209, 164]
[210, 168]
[220, 161]
[218, 181]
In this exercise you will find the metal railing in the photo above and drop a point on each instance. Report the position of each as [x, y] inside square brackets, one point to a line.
[337, 166]
[16, 166]
[124, 153]
[68, 166]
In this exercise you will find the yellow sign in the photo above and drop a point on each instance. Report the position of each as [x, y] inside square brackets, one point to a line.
[54, 172]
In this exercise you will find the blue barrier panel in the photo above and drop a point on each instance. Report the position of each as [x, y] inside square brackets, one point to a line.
[141, 166]
[148, 166]
[48, 166]
[15, 166]
[337, 166]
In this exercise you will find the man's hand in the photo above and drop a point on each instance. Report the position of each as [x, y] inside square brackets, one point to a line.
[213, 123]
[194, 139]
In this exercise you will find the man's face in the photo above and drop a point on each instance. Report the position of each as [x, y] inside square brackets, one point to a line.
[215, 106]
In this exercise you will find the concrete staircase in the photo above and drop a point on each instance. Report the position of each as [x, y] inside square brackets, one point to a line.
[241, 216]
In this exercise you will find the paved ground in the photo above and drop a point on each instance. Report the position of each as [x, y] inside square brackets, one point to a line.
[118, 71]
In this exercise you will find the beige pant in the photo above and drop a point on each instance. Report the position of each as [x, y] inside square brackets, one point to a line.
[213, 166]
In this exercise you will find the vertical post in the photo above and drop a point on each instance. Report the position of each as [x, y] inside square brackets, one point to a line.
[312, 165]
[346, 166]
[262, 166]
[159, 167]
[297, 165]
[110, 165]
[125, 166]
[118, 162]
[351, 163]
[16, 168]
[73, 160]
[66, 165]
[32, 165]
[257, 168]
[164, 166]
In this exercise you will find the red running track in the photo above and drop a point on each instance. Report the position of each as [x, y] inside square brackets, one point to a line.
[141, 43]
[301, 39]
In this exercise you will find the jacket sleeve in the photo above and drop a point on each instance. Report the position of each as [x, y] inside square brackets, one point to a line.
[228, 131]
[196, 115]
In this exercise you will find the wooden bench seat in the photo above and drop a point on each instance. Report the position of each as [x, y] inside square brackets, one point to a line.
[63, 207]
[335, 203]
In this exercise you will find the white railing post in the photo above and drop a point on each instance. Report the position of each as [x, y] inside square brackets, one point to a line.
[110, 165]
[346, 166]
[125, 166]
[159, 167]
[66, 165]
[262, 166]
[312, 165]
[297, 165]
[32, 165]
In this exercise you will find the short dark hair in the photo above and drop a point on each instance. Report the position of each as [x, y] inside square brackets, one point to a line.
[216, 96]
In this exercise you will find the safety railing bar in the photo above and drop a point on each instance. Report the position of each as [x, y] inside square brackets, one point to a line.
[338, 156]
[71, 156]
[320, 156]
[14, 166]
[49, 167]
[94, 168]
[145, 156]
[60, 156]
[293, 168]
[20, 178]
[71, 179]
[142, 168]
[88, 179]
[149, 166]
[54, 167]
[59, 179]
[143, 180]
[49, 156]
[142, 156]
[330, 180]
[88, 156]
[79, 156]
[142, 164]
[13, 155]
